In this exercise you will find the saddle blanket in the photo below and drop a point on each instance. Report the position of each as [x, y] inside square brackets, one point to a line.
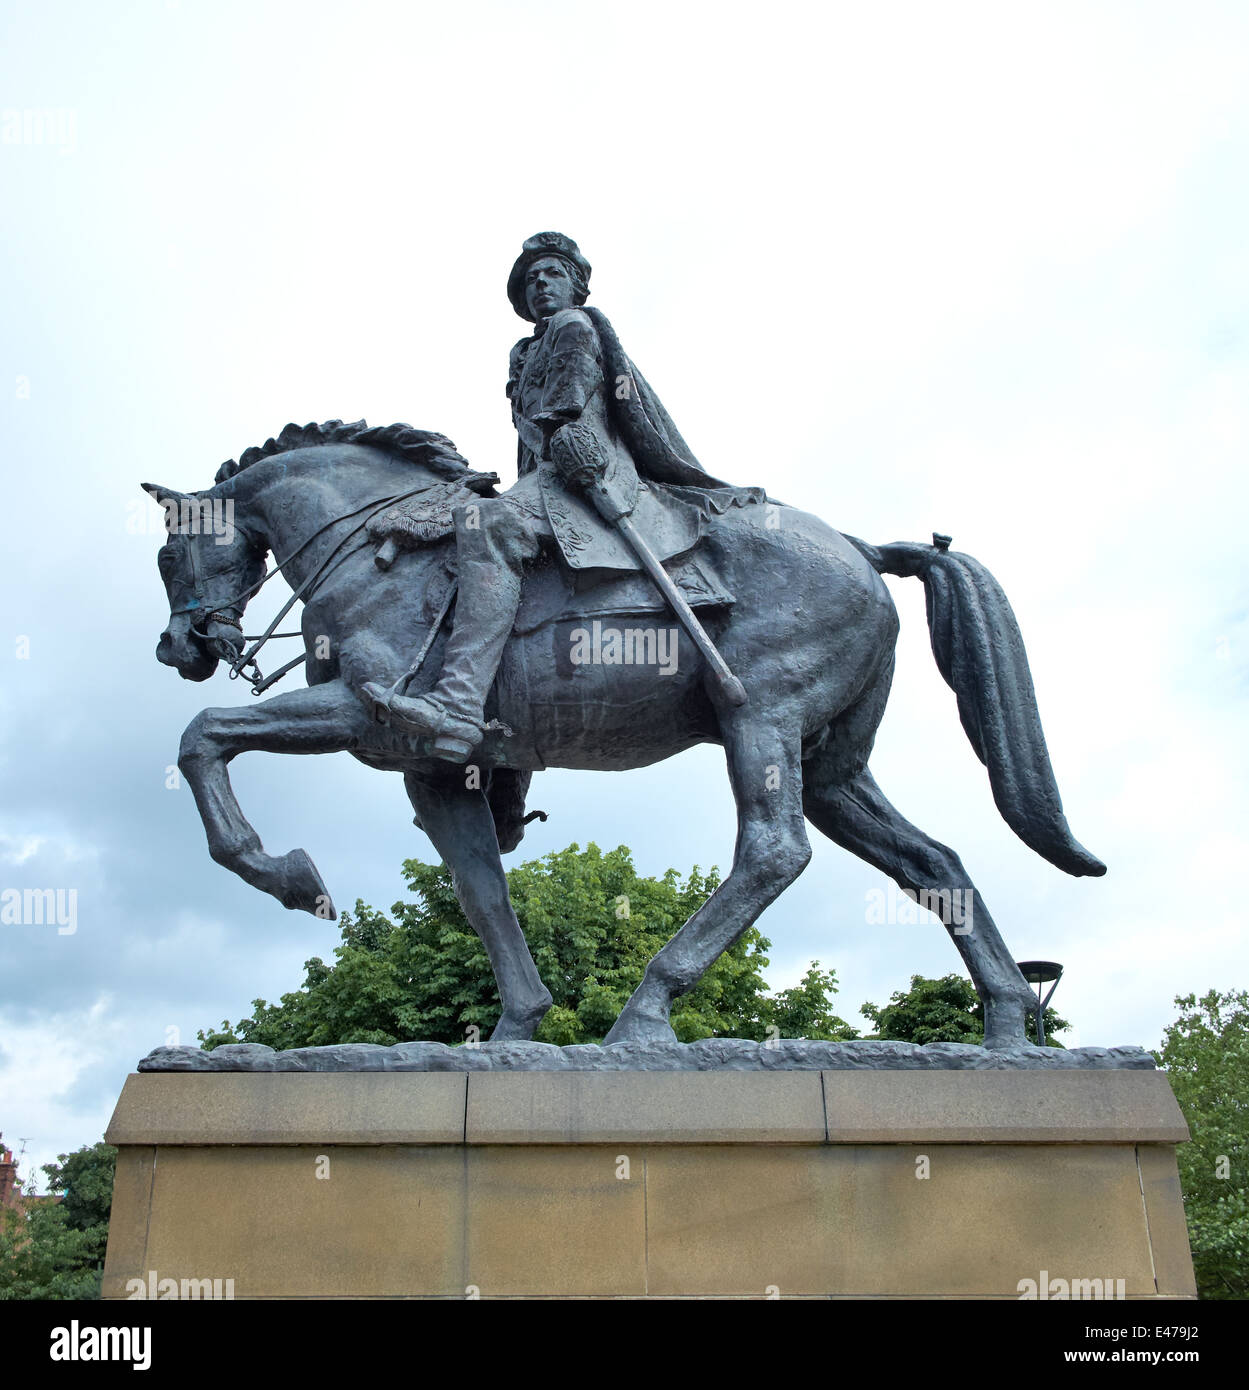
[551, 595]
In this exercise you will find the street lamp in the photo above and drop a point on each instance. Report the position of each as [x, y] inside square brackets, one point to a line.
[1040, 973]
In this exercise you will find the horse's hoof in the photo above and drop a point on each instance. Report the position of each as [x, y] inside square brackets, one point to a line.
[1006, 1029]
[517, 1024]
[637, 1027]
[303, 888]
[1002, 1042]
[519, 1027]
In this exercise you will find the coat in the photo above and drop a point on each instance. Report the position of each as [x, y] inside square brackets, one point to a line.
[573, 370]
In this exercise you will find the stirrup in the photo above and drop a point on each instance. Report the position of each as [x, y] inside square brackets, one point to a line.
[456, 735]
[453, 733]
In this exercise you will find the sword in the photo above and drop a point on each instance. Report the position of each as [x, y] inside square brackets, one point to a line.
[577, 453]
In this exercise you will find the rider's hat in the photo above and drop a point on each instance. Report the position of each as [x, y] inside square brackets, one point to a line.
[547, 244]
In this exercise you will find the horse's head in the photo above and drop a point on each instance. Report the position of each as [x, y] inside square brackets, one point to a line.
[210, 568]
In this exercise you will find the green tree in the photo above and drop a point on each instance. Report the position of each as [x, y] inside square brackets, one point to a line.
[592, 923]
[84, 1182]
[1206, 1056]
[944, 1010]
[805, 1009]
[53, 1247]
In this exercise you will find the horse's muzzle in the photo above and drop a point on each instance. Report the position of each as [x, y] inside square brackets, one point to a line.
[180, 648]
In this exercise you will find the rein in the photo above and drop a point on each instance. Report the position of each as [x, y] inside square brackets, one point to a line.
[220, 614]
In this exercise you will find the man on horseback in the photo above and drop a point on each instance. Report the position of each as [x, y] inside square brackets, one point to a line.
[586, 419]
[812, 631]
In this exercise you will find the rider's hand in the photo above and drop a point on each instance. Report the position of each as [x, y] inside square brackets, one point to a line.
[578, 455]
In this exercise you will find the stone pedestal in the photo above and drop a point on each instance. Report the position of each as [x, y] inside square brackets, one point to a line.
[855, 1184]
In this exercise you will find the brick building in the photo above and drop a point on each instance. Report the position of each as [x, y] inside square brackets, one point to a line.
[10, 1189]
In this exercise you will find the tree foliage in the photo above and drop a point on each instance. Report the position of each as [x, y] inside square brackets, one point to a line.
[944, 1010]
[53, 1247]
[84, 1182]
[1206, 1056]
[592, 923]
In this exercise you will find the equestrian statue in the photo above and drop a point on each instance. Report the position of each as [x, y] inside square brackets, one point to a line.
[613, 608]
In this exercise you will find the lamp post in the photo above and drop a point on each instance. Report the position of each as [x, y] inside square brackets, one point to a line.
[1040, 973]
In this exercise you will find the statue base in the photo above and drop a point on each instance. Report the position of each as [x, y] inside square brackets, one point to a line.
[630, 1184]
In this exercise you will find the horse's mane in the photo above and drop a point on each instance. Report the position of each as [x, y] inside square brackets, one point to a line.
[435, 451]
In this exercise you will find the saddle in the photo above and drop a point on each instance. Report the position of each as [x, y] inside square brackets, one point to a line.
[552, 594]
[553, 591]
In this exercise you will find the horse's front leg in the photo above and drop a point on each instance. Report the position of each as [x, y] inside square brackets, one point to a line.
[458, 821]
[324, 719]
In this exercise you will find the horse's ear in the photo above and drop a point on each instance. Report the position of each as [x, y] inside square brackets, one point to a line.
[159, 492]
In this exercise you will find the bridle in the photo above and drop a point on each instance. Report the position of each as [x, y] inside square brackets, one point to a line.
[221, 612]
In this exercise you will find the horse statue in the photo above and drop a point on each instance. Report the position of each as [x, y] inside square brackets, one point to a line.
[599, 678]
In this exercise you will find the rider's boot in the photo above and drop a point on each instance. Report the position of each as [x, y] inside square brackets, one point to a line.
[452, 714]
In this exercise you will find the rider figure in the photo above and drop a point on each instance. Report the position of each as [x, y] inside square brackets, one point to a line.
[584, 416]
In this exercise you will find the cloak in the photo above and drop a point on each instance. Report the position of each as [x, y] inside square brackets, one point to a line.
[673, 515]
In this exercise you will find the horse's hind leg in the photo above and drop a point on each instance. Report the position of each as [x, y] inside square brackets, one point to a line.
[323, 719]
[460, 824]
[765, 769]
[855, 813]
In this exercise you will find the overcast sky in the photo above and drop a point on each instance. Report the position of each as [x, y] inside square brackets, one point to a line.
[974, 268]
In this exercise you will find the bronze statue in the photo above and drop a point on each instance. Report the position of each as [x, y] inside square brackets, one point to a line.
[596, 660]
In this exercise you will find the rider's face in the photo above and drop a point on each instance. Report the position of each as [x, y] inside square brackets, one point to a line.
[548, 288]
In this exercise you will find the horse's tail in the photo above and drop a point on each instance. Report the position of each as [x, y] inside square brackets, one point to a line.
[980, 653]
